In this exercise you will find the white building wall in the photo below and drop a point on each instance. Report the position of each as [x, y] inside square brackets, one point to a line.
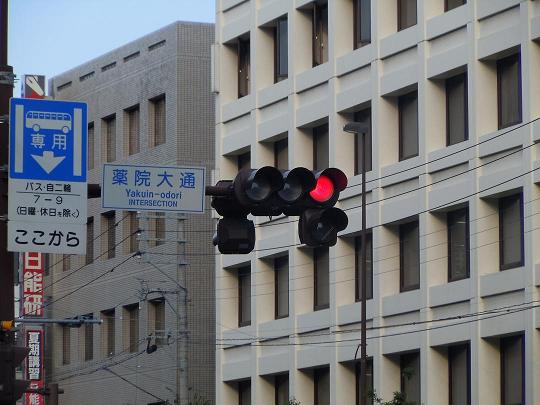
[472, 36]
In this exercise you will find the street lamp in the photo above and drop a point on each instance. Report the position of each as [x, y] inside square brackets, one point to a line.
[363, 130]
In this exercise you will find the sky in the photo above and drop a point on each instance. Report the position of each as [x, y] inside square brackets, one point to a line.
[52, 36]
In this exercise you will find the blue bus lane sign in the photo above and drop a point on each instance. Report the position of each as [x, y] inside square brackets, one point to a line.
[154, 188]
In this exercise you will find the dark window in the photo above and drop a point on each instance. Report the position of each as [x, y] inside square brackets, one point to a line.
[456, 110]
[88, 340]
[133, 223]
[66, 345]
[369, 374]
[369, 267]
[131, 330]
[108, 332]
[459, 375]
[89, 240]
[408, 125]
[108, 138]
[91, 145]
[320, 34]
[159, 232]
[409, 253]
[451, 4]
[513, 370]
[244, 296]
[109, 229]
[281, 51]
[282, 389]
[410, 376]
[458, 244]
[244, 393]
[509, 90]
[281, 154]
[511, 232]
[321, 264]
[362, 23]
[158, 309]
[158, 112]
[364, 117]
[321, 380]
[66, 262]
[243, 67]
[132, 127]
[244, 161]
[281, 268]
[406, 14]
[320, 147]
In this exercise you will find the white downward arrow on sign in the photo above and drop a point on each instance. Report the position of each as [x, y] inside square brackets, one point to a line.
[48, 161]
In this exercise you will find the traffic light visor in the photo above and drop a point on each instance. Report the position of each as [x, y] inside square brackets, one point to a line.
[296, 183]
[258, 185]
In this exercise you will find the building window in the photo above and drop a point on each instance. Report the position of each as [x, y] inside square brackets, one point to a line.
[362, 23]
[107, 328]
[244, 161]
[511, 232]
[158, 316]
[458, 244]
[459, 375]
[409, 255]
[133, 225]
[66, 345]
[158, 119]
[159, 228]
[91, 145]
[358, 266]
[457, 127]
[109, 231]
[281, 269]
[408, 125]
[244, 296]
[88, 339]
[281, 387]
[452, 4]
[509, 90]
[89, 240]
[406, 14]
[369, 374]
[321, 380]
[363, 117]
[244, 393]
[320, 147]
[131, 328]
[132, 129]
[243, 67]
[109, 138]
[513, 370]
[321, 265]
[410, 376]
[281, 154]
[66, 262]
[320, 34]
[281, 69]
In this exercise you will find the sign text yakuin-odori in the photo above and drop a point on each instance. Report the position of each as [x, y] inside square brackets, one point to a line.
[33, 284]
[154, 188]
[34, 366]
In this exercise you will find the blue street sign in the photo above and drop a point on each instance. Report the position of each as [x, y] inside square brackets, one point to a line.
[47, 140]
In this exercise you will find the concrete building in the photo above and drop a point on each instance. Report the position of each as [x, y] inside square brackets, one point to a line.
[149, 103]
[450, 92]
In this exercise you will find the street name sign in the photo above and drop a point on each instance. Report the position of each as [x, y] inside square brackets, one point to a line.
[154, 188]
[47, 204]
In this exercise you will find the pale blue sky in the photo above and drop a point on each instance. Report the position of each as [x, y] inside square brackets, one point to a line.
[51, 36]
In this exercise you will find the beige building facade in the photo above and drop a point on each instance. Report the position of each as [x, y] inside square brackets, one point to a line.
[450, 91]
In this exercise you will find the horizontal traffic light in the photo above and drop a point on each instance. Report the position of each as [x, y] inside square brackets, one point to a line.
[270, 192]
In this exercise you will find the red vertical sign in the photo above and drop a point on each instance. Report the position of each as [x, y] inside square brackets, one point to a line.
[34, 366]
[32, 284]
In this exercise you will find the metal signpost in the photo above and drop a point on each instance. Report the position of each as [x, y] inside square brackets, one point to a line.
[154, 188]
[47, 208]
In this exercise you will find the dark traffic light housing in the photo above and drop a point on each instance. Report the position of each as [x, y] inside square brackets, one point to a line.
[270, 192]
[11, 357]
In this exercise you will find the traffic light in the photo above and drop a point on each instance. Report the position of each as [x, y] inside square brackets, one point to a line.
[11, 356]
[270, 192]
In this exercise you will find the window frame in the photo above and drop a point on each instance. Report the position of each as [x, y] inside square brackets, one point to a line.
[501, 63]
[357, 265]
[242, 386]
[280, 379]
[403, 288]
[89, 340]
[318, 28]
[401, 100]
[521, 262]
[277, 269]
[370, 381]
[319, 132]
[502, 344]
[467, 244]
[280, 146]
[316, 306]
[400, 26]
[467, 347]
[357, 24]
[403, 359]
[360, 116]
[278, 75]
[448, 82]
[243, 272]
[446, 9]
[316, 377]
[244, 64]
